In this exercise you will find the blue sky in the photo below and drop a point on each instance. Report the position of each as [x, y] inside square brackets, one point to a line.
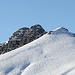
[15, 14]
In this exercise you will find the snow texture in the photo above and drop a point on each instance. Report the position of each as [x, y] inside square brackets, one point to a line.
[52, 54]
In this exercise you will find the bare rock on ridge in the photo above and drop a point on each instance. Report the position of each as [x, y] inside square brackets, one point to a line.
[21, 37]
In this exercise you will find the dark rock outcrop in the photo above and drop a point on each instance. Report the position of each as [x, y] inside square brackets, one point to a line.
[21, 37]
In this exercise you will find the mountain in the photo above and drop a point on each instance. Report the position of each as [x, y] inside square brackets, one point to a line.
[1, 45]
[21, 37]
[51, 54]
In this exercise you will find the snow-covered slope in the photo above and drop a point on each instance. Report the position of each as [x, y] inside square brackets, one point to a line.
[52, 54]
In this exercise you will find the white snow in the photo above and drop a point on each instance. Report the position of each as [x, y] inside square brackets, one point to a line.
[60, 30]
[49, 55]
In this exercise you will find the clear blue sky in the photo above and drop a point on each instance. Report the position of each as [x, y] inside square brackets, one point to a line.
[15, 14]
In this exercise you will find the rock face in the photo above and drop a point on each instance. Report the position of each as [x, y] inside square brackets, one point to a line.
[21, 37]
[1, 45]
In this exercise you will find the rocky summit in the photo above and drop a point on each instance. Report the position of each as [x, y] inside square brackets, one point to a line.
[21, 37]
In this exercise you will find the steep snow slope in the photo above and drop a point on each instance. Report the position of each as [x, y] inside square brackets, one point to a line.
[52, 54]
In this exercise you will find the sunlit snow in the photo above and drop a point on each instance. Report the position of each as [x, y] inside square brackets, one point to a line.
[52, 54]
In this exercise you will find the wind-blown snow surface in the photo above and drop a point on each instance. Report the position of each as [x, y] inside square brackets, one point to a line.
[52, 54]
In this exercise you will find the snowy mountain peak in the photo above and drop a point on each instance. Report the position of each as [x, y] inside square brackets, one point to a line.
[59, 30]
[22, 36]
[47, 55]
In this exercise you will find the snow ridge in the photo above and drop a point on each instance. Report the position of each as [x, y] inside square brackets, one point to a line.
[59, 30]
[51, 54]
[21, 37]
